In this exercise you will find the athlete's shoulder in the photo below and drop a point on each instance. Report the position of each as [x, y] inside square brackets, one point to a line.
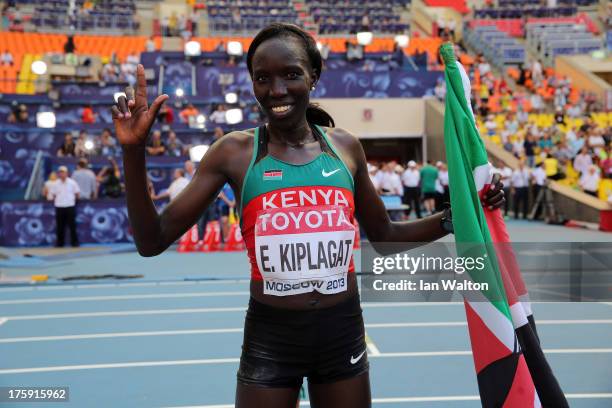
[342, 138]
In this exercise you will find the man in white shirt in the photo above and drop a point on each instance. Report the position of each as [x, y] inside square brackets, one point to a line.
[86, 179]
[583, 160]
[590, 181]
[443, 181]
[390, 183]
[411, 179]
[179, 183]
[520, 184]
[64, 193]
[538, 176]
[373, 173]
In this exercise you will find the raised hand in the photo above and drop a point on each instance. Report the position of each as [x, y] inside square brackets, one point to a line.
[495, 198]
[132, 116]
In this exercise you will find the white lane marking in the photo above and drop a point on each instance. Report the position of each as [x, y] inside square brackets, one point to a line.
[120, 365]
[235, 360]
[128, 313]
[449, 398]
[372, 349]
[119, 334]
[3, 320]
[122, 285]
[178, 311]
[121, 297]
[371, 346]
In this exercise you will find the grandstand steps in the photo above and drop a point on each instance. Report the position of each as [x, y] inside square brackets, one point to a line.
[146, 14]
[305, 16]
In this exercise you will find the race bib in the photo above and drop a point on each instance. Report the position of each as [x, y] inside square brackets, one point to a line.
[303, 249]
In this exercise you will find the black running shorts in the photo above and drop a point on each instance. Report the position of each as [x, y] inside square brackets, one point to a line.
[283, 346]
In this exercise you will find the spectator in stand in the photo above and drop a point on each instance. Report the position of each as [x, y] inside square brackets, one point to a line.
[324, 51]
[165, 115]
[520, 185]
[441, 23]
[128, 72]
[225, 202]
[606, 163]
[575, 111]
[156, 146]
[559, 117]
[22, 114]
[165, 26]
[365, 22]
[411, 179]
[67, 148]
[354, 52]
[65, 192]
[133, 59]
[562, 152]
[218, 115]
[429, 175]
[80, 148]
[388, 180]
[373, 173]
[46, 191]
[537, 103]
[551, 167]
[189, 169]
[194, 17]
[536, 73]
[529, 146]
[589, 181]
[108, 144]
[596, 140]
[443, 183]
[150, 44]
[109, 179]
[110, 72]
[254, 115]
[189, 111]
[440, 89]
[174, 146]
[11, 118]
[583, 160]
[506, 178]
[172, 25]
[6, 58]
[451, 26]
[87, 115]
[491, 125]
[86, 179]
[179, 182]
[538, 178]
[69, 47]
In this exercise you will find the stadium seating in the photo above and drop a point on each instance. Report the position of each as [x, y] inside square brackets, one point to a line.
[497, 46]
[87, 15]
[550, 39]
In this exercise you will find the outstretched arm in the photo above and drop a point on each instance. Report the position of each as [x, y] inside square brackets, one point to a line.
[154, 232]
[371, 211]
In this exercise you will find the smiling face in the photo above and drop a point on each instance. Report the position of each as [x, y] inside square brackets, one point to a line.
[282, 78]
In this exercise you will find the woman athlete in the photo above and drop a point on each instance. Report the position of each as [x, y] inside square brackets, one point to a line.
[298, 181]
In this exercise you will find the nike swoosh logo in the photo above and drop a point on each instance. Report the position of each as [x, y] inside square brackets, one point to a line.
[326, 174]
[354, 360]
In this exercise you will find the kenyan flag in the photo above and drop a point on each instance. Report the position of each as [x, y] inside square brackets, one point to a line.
[511, 367]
